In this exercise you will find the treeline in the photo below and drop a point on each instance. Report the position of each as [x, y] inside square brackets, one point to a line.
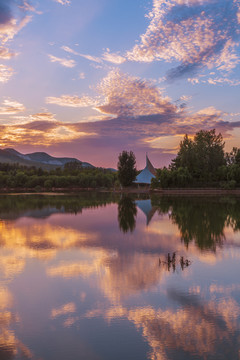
[201, 162]
[71, 176]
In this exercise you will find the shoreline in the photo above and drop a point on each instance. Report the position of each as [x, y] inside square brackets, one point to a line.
[169, 191]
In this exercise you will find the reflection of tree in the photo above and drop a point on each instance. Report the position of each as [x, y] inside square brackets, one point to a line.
[174, 262]
[12, 207]
[201, 219]
[127, 212]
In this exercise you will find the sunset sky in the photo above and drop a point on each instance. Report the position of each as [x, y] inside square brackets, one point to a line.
[89, 79]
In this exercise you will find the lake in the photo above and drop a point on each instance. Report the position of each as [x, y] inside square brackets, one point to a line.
[106, 276]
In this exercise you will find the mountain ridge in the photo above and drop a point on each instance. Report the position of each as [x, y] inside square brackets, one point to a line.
[37, 159]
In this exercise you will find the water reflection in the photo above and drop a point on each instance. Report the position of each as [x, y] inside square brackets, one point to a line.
[71, 275]
[201, 220]
[174, 262]
[127, 212]
[40, 206]
[146, 206]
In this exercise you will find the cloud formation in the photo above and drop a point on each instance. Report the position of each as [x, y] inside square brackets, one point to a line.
[134, 113]
[72, 101]
[10, 107]
[6, 73]
[14, 15]
[6, 54]
[125, 95]
[62, 61]
[85, 56]
[40, 133]
[193, 33]
[140, 113]
[217, 80]
[11, 22]
[114, 58]
[63, 2]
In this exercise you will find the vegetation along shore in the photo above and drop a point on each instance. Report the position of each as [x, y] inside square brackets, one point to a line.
[201, 166]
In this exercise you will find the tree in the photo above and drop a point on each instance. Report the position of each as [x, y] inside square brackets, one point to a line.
[202, 156]
[126, 168]
[233, 157]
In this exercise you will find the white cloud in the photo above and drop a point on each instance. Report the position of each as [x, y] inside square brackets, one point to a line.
[131, 96]
[220, 81]
[6, 73]
[203, 33]
[88, 57]
[114, 58]
[63, 2]
[72, 101]
[81, 75]
[10, 107]
[64, 62]
[6, 54]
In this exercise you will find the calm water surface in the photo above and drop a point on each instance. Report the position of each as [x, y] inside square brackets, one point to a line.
[102, 277]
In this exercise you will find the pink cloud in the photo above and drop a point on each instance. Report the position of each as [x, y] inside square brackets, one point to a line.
[194, 33]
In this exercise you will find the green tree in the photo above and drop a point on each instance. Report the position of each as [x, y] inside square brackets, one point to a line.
[233, 158]
[72, 166]
[127, 168]
[202, 156]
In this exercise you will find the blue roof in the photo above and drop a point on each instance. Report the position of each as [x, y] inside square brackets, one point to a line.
[144, 177]
[147, 174]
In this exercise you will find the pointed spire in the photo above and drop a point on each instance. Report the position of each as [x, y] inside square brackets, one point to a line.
[149, 166]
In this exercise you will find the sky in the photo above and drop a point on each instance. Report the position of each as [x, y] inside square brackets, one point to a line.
[89, 79]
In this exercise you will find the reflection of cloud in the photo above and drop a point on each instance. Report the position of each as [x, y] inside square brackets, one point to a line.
[127, 275]
[63, 310]
[10, 346]
[11, 265]
[206, 329]
[5, 298]
[69, 270]
[63, 61]
[84, 268]
[195, 33]
[39, 241]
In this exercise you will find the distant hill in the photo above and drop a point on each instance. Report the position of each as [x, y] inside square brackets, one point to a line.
[37, 159]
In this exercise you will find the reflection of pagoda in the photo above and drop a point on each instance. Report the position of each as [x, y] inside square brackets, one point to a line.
[147, 174]
[147, 209]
